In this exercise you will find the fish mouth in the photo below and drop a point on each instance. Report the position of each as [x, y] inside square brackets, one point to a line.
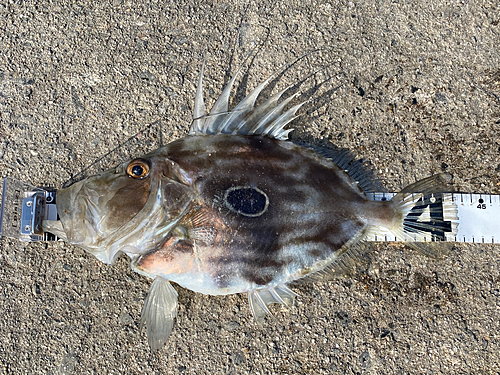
[78, 210]
[93, 214]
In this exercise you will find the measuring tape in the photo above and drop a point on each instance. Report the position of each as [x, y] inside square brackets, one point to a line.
[23, 208]
[478, 217]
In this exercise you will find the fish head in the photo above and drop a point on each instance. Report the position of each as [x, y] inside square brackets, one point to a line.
[128, 209]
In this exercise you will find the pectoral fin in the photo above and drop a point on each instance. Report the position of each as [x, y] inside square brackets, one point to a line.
[159, 312]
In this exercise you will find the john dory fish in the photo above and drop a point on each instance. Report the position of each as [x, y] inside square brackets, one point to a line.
[233, 208]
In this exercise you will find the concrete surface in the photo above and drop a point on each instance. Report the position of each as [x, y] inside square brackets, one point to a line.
[413, 87]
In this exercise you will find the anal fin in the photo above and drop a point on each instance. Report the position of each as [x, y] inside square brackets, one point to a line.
[260, 299]
[354, 253]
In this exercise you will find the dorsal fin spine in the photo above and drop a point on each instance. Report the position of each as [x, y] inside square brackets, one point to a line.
[260, 111]
[199, 110]
[277, 126]
[245, 119]
[272, 115]
[220, 106]
[245, 106]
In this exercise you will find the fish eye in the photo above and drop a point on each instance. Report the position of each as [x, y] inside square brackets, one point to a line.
[138, 168]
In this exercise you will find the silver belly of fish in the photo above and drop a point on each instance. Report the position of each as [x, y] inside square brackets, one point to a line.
[234, 207]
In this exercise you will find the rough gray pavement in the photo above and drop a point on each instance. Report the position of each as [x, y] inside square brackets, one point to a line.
[413, 87]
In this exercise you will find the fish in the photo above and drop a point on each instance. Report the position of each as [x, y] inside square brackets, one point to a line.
[236, 207]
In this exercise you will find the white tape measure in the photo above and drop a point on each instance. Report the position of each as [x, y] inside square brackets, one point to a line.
[23, 207]
[478, 217]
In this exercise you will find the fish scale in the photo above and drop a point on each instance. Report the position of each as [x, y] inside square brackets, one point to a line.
[237, 208]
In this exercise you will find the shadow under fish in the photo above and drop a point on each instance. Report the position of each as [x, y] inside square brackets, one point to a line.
[236, 208]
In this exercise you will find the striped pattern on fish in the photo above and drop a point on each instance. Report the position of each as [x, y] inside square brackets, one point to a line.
[314, 210]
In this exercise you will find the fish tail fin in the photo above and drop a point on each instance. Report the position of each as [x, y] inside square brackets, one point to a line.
[426, 216]
[159, 312]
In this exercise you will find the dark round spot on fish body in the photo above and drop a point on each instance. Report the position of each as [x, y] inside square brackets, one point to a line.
[247, 201]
